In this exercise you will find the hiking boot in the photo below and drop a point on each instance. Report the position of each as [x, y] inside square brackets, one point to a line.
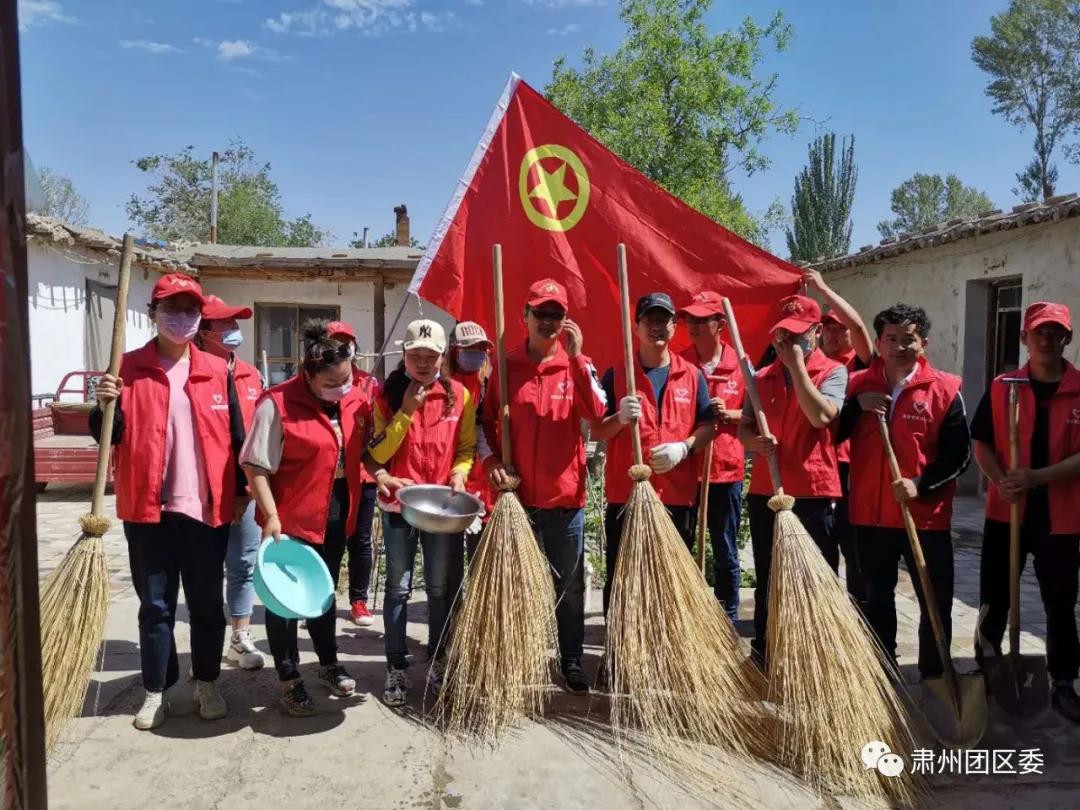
[295, 698]
[242, 651]
[574, 676]
[211, 704]
[337, 680]
[153, 711]
[1066, 702]
[396, 689]
[361, 616]
[435, 675]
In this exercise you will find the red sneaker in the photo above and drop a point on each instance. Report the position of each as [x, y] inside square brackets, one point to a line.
[361, 616]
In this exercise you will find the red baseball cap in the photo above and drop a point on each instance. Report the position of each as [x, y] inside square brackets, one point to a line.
[172, 284]
[340, 328]
[831, 317]
[704, 304]
[1045, 312]
[547, 289]
[214, 309]
[796, 314]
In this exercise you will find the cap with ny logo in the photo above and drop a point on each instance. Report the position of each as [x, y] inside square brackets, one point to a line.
[424, 335]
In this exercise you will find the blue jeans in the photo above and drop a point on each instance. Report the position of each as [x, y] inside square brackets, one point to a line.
[444, 560]
[722, 517]
[245, 538]
[561, 534]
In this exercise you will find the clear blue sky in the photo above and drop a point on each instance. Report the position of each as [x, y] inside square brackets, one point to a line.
[363, 104]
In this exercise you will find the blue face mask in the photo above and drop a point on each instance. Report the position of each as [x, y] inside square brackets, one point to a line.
[232, 338]
[471, 360]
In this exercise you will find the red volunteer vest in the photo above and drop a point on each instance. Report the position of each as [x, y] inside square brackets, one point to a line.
[369, 390]
[679, 486]
[808, 465]
[725, 382]
[848, 359]
[304, 481]
[547, 403]
[248, 389]
[1064, 416]
[140, 457]
[477, 482]
[914, 428]
[426, 455]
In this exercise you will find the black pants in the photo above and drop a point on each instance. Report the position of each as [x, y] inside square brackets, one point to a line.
[880, 551]
[682, 516]
[359, 546]
[1057, 561]
[163, 556]
[845, 539]
[281, 632]
[816, 515]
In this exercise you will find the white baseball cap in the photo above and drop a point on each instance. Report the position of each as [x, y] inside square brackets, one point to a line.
[425, 335]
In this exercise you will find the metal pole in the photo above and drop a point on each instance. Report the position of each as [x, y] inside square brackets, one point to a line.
[364, 242]
[213, 199]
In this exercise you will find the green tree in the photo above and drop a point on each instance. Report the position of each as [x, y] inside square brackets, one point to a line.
[926, 199]
[681, 104]
[1032, 57]
[386, 240]
[61, 199]
[177, 204]
[821, 205]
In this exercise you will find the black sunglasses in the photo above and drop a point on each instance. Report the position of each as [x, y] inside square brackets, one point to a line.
[330, 356]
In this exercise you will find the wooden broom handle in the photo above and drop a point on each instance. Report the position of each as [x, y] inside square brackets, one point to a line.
[703, 506]
[628, 347]
[751, 391]
[500, 357]
[108, 412]
[1014, 524]
[920, 566]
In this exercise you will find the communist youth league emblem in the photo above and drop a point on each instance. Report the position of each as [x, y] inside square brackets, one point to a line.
[554, 187]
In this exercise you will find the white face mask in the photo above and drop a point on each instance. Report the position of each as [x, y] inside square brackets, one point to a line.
[335, 394]
[179, 327]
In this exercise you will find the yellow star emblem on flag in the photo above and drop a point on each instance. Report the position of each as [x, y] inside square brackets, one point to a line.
[544, 191]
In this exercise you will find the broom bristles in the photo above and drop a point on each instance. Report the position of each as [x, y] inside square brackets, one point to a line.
[498, 663]
[74, 604]
[676, 672]
[828, 675]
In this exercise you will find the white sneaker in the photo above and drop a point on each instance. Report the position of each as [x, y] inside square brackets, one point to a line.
[242, 651]
[153, 711]
[211, 704]
[396, 689]
[435, 674]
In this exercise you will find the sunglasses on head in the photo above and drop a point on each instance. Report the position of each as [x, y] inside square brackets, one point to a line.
[330, 356]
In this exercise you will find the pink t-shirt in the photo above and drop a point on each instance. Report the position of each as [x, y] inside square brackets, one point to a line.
[185, 488]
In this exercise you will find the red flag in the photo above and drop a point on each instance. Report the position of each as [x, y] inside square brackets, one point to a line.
[559, 202]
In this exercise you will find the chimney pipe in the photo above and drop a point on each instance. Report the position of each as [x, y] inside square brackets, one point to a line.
[401, 231]
[213, 198]
[364, 241]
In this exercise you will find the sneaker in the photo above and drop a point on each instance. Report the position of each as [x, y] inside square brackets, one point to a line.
[211, 704]
[574, 676]
[1066, 702]
[295, 698]
[361, 616]
[242, 651]
[396, 688]
[435, 675]
[337, 680]
[153, 711]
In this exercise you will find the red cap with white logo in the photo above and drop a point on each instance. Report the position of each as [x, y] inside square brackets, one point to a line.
[214, 309]
[704, 304]
[547, 289]
[336, 329]
[173, 284]
[1045, 312]
[796, 314]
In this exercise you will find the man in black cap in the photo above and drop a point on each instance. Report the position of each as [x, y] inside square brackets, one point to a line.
[674, 416]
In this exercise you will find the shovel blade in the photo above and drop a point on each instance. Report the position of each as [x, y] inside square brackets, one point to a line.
[1021, 687]
[953, 731]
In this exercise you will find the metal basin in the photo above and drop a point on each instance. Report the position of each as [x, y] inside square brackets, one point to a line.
[438, 510]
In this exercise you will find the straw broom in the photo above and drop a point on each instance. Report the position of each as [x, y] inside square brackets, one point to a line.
[75, 596]
[827, 674]
[498, 664]
[677, 678]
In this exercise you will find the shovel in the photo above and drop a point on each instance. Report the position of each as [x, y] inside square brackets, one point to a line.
[954, 704]
[1019, 683]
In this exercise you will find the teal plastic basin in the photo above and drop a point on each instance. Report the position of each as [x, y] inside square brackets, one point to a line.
[292, 580]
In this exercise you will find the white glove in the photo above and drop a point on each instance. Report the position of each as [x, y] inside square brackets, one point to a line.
[476, 526]
[629, 409]
[665, 457]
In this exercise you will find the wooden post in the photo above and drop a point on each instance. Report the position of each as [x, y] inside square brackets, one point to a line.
[379, 319]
